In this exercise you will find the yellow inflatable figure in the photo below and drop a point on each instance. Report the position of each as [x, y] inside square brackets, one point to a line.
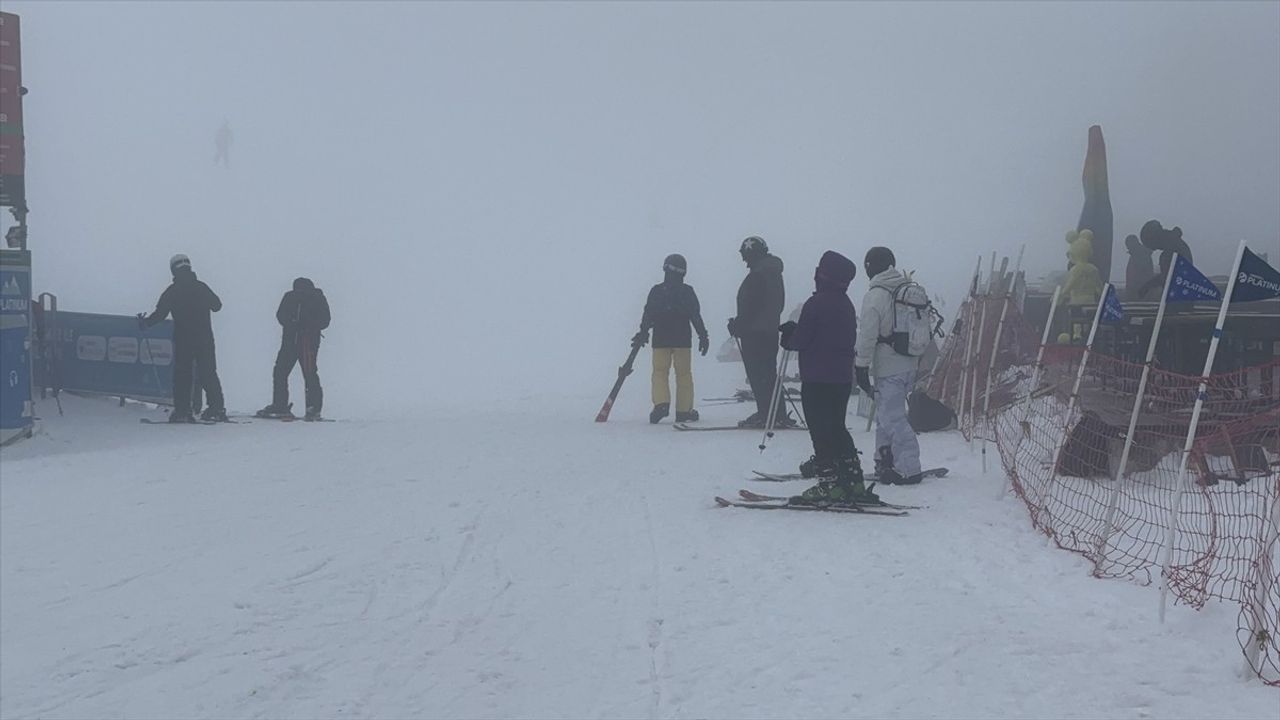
[1084, 283]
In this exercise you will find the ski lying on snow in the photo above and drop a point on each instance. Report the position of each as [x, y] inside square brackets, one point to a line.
[788, 477]
[717, 428]
[149, 421]
[850, 509]
[287, 418]
[757, 497]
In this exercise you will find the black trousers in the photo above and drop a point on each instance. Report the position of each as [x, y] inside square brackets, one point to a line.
[825, 406]
[760, 358]
[302, 351]
[189, 358]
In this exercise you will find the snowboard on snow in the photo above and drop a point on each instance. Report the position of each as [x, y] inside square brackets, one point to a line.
[788, 477]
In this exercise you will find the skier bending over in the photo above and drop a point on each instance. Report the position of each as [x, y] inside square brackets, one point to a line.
[190, 301]
[671, 308]
[825, 337]
[302, 314]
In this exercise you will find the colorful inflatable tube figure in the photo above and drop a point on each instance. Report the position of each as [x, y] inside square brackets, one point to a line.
[1096, 215]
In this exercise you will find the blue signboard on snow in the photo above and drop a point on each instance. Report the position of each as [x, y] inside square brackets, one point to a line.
[16, 413]
[111, 355]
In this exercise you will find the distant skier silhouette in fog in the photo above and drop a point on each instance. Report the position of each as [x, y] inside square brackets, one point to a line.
[222, 141]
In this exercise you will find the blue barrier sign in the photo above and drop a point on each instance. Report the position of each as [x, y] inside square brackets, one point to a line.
[111, 355]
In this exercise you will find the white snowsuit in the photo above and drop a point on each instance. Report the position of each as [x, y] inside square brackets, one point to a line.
[895, 374]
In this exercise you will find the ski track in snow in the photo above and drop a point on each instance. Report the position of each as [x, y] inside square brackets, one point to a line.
[526, 562]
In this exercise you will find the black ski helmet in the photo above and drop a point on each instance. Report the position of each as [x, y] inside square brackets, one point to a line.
[675, 264]
[753, 246]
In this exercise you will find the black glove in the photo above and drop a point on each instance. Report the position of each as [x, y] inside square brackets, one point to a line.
[733, 327]
[704, 344]
[864, 380]
[641, 338]
[786, 329]
[142, 321]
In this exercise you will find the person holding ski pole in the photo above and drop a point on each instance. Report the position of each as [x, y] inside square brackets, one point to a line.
[884, 346]
[669, 311]
[825, 338]
[303, 314]
[761, 298]
[190, 301]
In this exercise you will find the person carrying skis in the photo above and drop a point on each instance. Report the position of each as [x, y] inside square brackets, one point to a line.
[302, 314]
[190, 301]
[671, 308]
[761, 298]
[897, 448]
[825, 337]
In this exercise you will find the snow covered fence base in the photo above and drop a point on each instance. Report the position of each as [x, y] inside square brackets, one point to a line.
[1215, 537]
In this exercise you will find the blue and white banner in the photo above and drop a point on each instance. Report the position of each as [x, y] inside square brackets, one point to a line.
[1255, 280]
[1190, 285]
[110, 355]
[1112, 310]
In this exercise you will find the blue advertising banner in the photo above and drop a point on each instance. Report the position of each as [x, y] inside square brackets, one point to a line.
[16, 411]
[110, 355]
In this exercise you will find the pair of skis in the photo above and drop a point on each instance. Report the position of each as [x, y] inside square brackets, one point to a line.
[196, 421]
[755, 501]
[718, 428]
[788, 477]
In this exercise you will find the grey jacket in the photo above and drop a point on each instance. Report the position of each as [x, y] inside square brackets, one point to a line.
[875, 322]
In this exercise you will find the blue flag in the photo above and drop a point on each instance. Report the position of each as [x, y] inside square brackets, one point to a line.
[1190, 285]
[1112, 310]
[1256, 280]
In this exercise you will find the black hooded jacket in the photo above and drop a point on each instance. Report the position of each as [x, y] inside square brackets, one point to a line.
[761, 297]
[189, 301]
[671, 308]
[303, 312]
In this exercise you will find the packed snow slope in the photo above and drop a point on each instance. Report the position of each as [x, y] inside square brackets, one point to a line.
[522, 561]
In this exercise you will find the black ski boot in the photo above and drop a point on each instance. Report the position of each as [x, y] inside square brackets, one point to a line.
[181, 417]
[756, 420]
[844, 488]
[313, 414]
[659, 411]
[276, 411]
[813, 467]
[784, 420]
[214, 415]
[884, 461]
[687, 417]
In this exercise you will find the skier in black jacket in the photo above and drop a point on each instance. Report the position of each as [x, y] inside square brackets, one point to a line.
[671, 308]
[190, 301]
[761, 298]
[302, 314]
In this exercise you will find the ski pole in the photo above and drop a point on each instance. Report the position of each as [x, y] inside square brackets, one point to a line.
[775, 398]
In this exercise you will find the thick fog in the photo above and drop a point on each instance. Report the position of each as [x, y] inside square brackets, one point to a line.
[486, 191]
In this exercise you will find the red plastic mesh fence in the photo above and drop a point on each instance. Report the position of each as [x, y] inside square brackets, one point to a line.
[1063, 457]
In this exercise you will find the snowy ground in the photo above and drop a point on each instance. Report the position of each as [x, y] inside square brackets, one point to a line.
[522, 561]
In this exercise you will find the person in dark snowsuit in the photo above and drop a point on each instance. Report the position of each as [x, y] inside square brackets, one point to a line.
[825, 337]
[303, 313]
[1169, 243]
[671, 308]
[190, 301]
[761, 298]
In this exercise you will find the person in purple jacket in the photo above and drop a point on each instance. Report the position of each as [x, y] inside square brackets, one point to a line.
[825, 337]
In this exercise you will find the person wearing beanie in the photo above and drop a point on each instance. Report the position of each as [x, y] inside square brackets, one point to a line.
[761, 298]
[303, 314]
[825, 338]
[897, 448]
[190, 301]
[671, 308]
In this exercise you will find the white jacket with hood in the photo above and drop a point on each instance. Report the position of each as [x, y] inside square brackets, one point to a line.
[876, 321]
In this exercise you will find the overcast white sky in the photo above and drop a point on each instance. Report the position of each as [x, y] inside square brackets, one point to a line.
[487, 190]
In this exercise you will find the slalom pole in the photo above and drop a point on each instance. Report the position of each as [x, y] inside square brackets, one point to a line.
[1035, 377]
[973, 375]
[1171, 532]
[1075, 388]
[1108, 525]
[968, 346]
[995, 349]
